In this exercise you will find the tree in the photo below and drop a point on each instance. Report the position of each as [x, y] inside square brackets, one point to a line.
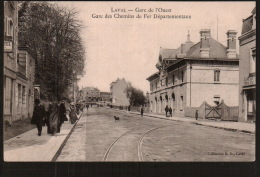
[135, 96]
[53, 34]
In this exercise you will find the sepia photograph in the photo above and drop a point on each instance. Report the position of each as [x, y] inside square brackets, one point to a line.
[145, 81]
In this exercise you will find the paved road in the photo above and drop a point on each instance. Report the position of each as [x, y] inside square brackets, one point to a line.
[98, 137]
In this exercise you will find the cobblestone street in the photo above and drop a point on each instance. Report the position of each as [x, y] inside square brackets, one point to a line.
[98, 137]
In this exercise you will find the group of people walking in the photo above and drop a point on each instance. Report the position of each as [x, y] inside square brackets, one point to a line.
[168, 109]
[53, 115]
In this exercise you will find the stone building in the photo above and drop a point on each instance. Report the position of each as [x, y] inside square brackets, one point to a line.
[10, 59]
[195, 73]
[247, 69]
[105, 96]
[118, 92]
[25, 82]
[89, 94]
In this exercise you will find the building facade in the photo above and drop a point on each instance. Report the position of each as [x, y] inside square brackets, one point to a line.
[118, 92]
[25, 82]
[195, 73]
[247, 69]
[89, 94]
[10, 59]
[105, 96]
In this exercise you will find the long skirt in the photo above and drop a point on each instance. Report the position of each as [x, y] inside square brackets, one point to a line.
[73, 116]
[54, 122]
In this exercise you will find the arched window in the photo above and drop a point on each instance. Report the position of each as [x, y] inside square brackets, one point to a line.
[173, 97]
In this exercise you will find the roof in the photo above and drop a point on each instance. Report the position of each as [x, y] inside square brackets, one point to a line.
[247, 24]
[167, 53]
[216, 50]
[153, 76]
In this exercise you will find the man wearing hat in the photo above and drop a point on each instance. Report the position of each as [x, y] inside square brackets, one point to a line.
[38, 115]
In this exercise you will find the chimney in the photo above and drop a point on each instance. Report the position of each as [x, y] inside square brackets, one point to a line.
[231, 44]
[204, 43]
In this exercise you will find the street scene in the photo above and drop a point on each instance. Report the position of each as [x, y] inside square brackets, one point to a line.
[137, 138]
[129, 81]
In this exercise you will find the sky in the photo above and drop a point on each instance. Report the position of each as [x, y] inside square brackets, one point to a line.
[129, 47]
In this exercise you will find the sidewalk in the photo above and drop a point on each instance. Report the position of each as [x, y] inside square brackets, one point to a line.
[227, 125]
[28, 147]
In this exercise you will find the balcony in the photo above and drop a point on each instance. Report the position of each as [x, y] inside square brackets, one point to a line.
[22, 70]
[250, 80]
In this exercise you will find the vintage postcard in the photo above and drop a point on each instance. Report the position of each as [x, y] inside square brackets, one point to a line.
[129, 81]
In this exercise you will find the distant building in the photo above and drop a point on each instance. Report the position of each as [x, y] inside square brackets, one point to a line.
[10, 60]
[118, 92]
[89, 94]
[247, 70]
[195, 73]
[105, 96]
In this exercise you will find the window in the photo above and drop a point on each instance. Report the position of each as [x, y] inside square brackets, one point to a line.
[173, 79]
[23, 95]
[217, 99]
[216, 75]
[8, 26]
[252, 61]
[181, 103]
[8, 95]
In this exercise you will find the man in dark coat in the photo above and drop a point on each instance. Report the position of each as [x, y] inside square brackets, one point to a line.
[170, 111]
[38, 115]
[196, 114]
[142, 111]
[166, 110]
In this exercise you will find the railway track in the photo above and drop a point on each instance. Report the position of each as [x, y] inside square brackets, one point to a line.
[139, 146]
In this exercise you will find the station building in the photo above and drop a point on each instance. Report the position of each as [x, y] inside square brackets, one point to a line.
[193, 74]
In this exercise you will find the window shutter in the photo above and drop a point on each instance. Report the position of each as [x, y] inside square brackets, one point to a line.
[5, 26]
[8, 26]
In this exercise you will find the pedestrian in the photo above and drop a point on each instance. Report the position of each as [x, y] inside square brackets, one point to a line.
[73, 115]
[62, 115]
[87, 106]
[48, 113]
[142, 111]
[170, 111]
[38, 116]
[54, 119]
[196, 114]
[166, 110]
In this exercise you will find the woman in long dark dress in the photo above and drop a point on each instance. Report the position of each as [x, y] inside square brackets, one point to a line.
[73, 113]
[54, 119]
[62, 115]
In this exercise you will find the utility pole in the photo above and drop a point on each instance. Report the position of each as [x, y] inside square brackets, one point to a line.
[217, 28]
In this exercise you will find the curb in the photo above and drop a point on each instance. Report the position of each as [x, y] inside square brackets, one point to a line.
[228, 129]
[224, 128]
[64, 142]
